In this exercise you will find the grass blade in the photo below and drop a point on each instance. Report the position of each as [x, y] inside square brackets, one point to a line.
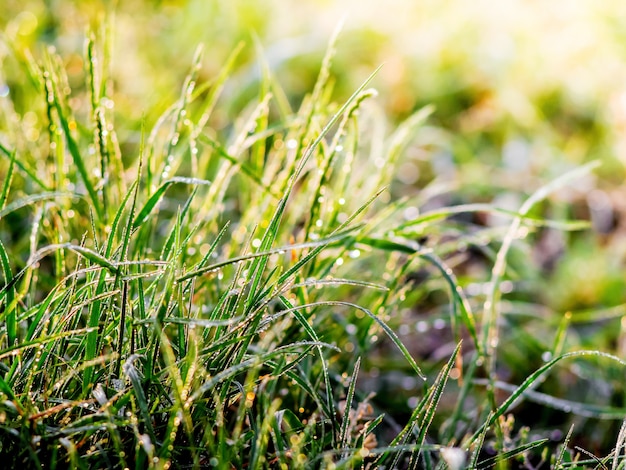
[154, 199]
[519, 392]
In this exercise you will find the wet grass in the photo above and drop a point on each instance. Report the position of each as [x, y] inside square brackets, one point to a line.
[217, 297]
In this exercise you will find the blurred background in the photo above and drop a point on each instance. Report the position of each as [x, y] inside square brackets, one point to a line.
[523, 91]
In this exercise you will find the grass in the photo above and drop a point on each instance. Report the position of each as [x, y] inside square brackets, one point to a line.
[217, 296]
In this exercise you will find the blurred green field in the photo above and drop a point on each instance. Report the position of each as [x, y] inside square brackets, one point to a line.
[522, 93]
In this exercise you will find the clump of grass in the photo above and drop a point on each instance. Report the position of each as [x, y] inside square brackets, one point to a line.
[212, 298]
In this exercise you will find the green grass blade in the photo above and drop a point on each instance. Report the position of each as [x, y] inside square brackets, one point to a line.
[490, 462]
[135, 379]
[24, 345]
[327, 128]
[22, 166]
[329, 407]
[9, 314]
[32, 199]
[154, 199]
[577, 408]
[260, 254]
[433, 402]
[92, 256]
[388, 331]
[8, 178]
[77, 157]
[345, 422]
[558, 464]
[519, 392]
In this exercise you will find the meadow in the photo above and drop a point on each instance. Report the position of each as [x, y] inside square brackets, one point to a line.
[261, 235]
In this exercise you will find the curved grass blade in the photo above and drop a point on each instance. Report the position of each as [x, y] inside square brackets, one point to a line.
[329, 404]
[520, 391]
[27, 201]
[447, 212]
[257, 360]
[596, 460]
[87, 253]
[12, 350]
[390, 333]
[30, 172]
[568, 406]
[459, 303]
[458, 297]
[142, 216]
[311, 149]
[238, 259]
[401, 138]
[491, 306]
[490, 462]
[92, 256]
[318, 249]
[245, 168]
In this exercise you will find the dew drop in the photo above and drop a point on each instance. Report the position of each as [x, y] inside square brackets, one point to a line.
[411, 213]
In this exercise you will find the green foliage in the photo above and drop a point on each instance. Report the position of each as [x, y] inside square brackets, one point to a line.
[268, 293]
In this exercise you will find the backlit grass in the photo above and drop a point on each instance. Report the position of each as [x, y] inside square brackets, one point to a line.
[202, 295]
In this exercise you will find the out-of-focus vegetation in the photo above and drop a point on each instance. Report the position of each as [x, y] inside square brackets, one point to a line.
[523, 93]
